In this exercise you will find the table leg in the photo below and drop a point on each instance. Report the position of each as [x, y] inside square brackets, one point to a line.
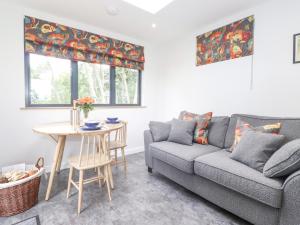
[59, 148]
[61, 152]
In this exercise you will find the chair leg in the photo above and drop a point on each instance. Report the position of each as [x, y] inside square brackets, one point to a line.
[102, 170]
[107, 181]
[69, 181]
[80, 191]
[99, 174]
[116, 157]
[124, 160]
[97, 150]
[111, 181]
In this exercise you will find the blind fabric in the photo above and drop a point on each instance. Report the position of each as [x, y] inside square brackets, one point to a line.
[52, 39]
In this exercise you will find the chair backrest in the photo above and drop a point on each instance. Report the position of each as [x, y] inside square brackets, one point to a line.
[93, 149]
[121, 134]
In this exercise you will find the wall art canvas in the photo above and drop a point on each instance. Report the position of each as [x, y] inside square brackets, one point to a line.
[229, 42]
[296, 48]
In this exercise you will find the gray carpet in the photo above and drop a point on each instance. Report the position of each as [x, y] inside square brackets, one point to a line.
[138, 199]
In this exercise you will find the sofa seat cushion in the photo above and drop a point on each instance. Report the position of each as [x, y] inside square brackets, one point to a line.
[178, 155]
[218, 167]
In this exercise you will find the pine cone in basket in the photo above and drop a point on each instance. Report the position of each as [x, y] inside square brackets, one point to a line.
[3, 180]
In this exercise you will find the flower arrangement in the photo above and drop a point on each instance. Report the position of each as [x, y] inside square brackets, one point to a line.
[85, 104]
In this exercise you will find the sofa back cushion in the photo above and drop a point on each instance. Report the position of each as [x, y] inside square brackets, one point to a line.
[160, 131]
[290, 127]
[217, 130]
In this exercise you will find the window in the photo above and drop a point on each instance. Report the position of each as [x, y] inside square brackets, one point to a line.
[53, 81]
[127, 86]
[93, 80]
[50, 80]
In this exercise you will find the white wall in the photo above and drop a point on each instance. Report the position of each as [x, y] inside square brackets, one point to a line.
[18, 142]
[224, 87]
[171, 81]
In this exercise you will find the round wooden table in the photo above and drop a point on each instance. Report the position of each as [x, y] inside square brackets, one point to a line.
[59, 132]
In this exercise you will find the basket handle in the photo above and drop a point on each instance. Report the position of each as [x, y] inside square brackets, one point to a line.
[40, 163]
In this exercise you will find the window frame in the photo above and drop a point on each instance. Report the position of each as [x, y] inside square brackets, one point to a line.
[74, 87]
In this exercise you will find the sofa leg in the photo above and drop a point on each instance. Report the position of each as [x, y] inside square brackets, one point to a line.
[149, 170]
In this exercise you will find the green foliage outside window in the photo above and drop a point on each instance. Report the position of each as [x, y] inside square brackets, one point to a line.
[50, 80]
[93, 81]
[126, 86]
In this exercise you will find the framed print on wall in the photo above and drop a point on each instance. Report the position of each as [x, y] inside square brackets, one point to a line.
[296, 48]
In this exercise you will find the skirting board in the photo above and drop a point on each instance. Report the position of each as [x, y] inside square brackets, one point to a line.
[128, 151]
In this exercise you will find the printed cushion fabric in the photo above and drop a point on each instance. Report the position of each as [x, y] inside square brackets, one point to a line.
[201, 129]
[242, 126]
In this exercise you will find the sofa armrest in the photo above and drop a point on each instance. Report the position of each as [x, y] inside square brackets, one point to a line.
[148, 139]
[290, 210]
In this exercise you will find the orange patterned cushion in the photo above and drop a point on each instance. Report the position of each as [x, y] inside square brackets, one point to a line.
[242, 126]
[201, 129]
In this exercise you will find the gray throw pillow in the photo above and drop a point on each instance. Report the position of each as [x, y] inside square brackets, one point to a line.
[255, 148]
[284, 161]
[160, 131]
[182, 131]
[217, 131]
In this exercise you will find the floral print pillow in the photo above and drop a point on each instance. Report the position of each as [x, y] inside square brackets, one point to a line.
[242, 126]
[201, 129]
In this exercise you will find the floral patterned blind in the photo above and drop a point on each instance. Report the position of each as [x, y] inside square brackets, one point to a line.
[52, 39]
[228, 42]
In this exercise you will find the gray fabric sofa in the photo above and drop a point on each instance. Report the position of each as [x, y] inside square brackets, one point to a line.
[208, 171]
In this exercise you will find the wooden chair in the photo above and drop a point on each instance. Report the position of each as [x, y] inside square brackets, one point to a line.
[90, 158]
[119, 142]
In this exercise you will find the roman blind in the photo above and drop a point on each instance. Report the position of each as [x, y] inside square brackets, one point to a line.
[52, 39]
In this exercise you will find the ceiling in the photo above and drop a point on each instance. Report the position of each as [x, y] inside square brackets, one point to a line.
[179, 17]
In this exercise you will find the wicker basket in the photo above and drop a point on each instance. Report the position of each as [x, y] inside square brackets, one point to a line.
[19, 196]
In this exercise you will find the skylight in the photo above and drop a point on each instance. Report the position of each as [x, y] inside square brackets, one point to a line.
[152, 6]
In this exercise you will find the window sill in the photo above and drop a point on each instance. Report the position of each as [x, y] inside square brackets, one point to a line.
[96, 107]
